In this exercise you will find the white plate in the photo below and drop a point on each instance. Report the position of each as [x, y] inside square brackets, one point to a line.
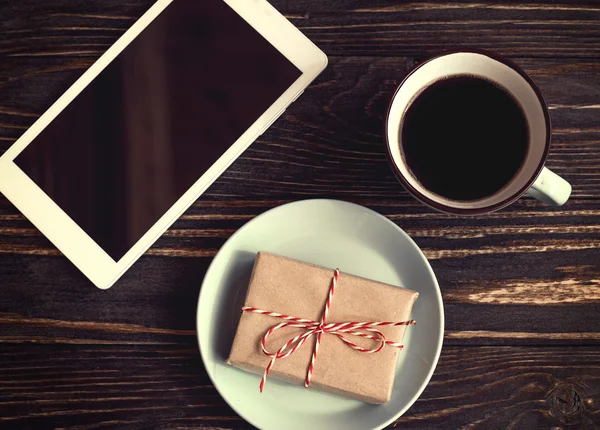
[333, 234]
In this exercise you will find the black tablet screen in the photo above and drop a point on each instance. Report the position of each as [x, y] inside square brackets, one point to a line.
[127, 148]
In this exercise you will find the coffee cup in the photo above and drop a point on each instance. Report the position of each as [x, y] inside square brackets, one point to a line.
[469, 132]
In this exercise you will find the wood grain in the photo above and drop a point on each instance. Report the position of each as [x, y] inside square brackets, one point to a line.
[339, 120]
[534, 263]
[529, 260]
[340, 27]
[97, 386]
[521, 286]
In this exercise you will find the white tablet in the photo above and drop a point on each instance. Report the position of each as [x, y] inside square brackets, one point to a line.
[142, 134]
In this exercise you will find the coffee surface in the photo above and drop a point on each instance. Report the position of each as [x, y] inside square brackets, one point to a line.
[464, 138]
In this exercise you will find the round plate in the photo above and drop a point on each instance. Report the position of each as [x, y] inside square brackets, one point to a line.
[333, 234]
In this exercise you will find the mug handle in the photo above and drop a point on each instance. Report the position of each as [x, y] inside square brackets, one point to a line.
[550, 188]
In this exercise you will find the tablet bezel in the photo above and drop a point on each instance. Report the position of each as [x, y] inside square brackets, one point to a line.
[71, 239]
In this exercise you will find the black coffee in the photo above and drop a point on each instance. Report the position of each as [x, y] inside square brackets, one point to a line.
[464, 138]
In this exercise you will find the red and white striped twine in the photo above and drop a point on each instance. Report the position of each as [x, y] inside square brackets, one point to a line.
[361, 329]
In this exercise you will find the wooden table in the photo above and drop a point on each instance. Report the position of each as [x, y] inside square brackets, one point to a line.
[521, 286]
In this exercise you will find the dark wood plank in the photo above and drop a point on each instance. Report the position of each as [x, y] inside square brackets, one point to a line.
[343, 27]
[136, 386]
[338, 122]
[515, 28]
[525, 275]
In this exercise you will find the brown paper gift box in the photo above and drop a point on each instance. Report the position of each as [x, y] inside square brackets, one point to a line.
[283, 285]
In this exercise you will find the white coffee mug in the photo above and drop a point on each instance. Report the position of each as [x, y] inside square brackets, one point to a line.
[532, 178]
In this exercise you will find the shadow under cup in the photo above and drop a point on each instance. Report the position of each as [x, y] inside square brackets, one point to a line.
[494, 69]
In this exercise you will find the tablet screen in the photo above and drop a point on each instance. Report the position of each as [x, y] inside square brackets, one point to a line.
[147, 128]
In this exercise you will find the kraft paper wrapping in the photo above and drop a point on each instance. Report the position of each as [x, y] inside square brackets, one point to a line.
[287, 286]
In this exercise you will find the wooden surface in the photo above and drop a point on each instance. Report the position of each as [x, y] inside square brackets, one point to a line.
[521, 286]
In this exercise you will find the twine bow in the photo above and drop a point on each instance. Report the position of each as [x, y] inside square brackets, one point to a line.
[362, 329]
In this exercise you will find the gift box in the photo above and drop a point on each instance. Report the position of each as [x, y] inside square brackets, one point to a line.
[358, 344]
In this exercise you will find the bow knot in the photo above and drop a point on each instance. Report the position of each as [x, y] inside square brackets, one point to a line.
[366, 330]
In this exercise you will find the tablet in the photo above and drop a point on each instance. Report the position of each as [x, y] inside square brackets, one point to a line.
[142, 134]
